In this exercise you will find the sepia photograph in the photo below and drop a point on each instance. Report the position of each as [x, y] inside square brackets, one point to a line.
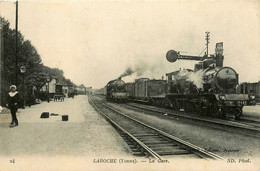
[129, 85]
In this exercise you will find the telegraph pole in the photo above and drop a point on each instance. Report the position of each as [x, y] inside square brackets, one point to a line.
[1, 58]
[207, 41]
[16, 44]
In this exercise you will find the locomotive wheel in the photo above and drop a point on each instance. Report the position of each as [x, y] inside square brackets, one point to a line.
[222, 114]
[156, 103]
[176, 105]
[196, 110]
[203, 111]
[159, 103]
[199, 109]
[188, 107]
[238, 113]
[171, 106]
[214, 111]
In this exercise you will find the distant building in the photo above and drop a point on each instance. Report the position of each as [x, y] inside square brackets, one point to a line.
[246, 88]
[50, 87]
[81, 89]
[65, 90]
[89, 90]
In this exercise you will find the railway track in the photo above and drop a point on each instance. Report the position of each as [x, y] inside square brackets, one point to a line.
[249, 121]
[244, 126]
[145, 140]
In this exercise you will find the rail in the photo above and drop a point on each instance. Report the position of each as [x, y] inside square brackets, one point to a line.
[186, 145]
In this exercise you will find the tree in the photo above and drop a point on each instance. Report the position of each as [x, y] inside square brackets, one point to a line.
[37, 79]
[27, 56]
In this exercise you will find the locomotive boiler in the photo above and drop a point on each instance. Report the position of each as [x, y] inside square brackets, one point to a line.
[209, 89]
[116, 91]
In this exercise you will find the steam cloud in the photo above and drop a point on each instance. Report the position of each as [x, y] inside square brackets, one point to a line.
[195, 77]
[141, 68]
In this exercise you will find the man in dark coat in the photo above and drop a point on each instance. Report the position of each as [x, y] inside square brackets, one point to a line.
[13, 100]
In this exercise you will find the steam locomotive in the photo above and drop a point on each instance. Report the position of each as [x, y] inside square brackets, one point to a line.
[213, 91]
[209, 89]
[115, 91]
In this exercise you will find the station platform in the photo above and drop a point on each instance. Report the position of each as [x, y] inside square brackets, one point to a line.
[86, 135]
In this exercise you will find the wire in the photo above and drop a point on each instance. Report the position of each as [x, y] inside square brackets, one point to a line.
[202, 51]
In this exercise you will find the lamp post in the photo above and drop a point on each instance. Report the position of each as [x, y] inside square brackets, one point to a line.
[1, 54]
[48, 79]
[16, 41]
[23, 71]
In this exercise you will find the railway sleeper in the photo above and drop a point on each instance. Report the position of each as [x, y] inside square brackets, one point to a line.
[126, 138]
[155, 141]
[132, 146]
[138, 154]
[136, 150]
[165, 147]
[134, 132]
[142, 135]
[131, 142]
[179, 152]
[151, 139]
[158, 137]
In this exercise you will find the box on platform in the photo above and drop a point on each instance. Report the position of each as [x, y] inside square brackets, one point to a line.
[65, 117]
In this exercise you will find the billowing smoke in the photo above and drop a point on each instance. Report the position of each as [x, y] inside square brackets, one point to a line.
[139, 69]
[143, 69]
[127, 72]
[195, 77]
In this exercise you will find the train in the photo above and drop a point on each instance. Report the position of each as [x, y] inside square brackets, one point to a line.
[115, 91]
[209, 89]
[146, 90]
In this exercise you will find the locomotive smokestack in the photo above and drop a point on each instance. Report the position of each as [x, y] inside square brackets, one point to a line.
[219, 60]
[127, 72]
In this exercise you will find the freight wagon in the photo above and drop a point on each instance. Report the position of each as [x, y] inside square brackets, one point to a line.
[146, 90]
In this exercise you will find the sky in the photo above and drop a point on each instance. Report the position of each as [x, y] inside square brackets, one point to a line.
[94, 42]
